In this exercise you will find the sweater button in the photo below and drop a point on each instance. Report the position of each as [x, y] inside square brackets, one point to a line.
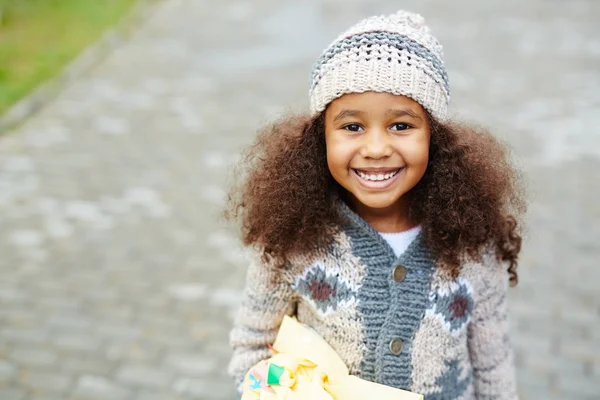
[399, 273]
[396, 346]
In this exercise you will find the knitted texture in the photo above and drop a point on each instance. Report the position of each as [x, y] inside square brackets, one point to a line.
[389, 310]
[454, 331]
[394, 54]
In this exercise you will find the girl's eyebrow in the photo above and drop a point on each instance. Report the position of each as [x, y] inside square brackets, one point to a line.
[394, 112]
[402, 113]
[347, 113]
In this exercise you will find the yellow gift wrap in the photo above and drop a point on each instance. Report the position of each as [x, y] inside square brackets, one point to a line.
[305, 367]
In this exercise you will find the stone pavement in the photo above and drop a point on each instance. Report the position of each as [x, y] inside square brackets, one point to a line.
[117, 280]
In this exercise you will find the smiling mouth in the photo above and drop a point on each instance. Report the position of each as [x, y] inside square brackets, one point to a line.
[377, 176]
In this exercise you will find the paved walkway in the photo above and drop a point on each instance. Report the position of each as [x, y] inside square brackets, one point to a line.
[118, 282]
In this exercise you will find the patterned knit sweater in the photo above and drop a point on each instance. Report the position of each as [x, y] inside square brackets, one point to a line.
[399, 321]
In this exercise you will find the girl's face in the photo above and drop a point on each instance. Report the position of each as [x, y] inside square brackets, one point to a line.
[377, 148]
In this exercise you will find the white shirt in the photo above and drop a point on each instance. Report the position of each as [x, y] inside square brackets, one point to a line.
[399, 241]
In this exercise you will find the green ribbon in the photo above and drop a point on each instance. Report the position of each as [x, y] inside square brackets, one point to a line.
[274, 374]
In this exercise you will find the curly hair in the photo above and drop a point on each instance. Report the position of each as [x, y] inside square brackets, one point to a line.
[469, 199]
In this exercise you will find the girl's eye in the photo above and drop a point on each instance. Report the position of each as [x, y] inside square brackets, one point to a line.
[353, 128]
[400, 127]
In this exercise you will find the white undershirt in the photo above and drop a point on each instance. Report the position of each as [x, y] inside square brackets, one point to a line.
[399, 241]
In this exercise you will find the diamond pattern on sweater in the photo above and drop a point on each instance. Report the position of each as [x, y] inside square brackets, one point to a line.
[325, 290]
[453, 305]
[450, 382]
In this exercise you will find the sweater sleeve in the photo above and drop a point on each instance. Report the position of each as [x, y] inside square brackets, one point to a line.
[267, 298]
[488, 338]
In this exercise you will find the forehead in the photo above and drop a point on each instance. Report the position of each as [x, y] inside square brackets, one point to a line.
[374, 102]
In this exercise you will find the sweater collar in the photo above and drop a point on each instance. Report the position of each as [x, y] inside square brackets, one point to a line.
[416, 254]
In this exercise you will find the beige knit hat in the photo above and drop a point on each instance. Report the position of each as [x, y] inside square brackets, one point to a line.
[394, 54]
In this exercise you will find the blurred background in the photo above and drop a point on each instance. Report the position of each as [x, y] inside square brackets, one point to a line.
[117, 278]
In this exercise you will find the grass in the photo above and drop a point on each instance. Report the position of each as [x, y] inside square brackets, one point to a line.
[38, 37]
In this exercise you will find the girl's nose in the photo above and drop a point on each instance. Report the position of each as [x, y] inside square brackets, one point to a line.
[376, 144]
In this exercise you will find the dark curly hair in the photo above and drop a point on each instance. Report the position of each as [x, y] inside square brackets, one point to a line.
[469, 199]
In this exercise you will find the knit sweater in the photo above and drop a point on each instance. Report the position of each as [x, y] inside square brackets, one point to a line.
[398, 321]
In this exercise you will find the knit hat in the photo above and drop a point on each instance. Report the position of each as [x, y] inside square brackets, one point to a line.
[394, 54]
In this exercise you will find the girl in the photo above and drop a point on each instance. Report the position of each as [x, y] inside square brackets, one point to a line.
[388, 229]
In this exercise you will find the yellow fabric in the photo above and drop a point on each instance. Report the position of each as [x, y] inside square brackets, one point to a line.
[313, 371]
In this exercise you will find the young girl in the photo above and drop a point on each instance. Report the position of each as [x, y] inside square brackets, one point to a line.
[388, 229]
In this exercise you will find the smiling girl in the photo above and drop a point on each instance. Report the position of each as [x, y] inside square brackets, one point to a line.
[390, 230]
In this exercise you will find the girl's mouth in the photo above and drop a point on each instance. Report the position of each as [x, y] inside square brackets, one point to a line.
[376, 180]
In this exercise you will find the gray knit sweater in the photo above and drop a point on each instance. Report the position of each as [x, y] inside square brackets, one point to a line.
[400, 321]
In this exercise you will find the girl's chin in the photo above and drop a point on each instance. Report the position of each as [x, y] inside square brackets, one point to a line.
[377, 201]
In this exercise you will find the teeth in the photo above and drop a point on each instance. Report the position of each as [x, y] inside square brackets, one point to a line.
[378, 177]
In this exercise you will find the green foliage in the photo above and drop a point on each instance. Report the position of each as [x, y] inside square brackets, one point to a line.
[38, 37]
